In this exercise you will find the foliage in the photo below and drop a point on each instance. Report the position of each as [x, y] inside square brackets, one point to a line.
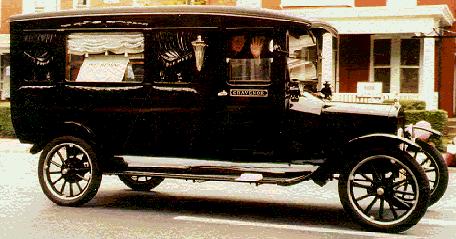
[6, 127]
[409, 104]
[437, 118]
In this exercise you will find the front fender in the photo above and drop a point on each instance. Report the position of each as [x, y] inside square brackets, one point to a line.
[382, 140]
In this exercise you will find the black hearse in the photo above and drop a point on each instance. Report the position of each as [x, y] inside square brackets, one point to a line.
[214, 85]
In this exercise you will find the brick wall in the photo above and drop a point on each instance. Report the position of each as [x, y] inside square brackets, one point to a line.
[370, 3]
[8, 8]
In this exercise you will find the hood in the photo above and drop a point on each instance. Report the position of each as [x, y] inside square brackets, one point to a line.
[308, 103]
[361, 109]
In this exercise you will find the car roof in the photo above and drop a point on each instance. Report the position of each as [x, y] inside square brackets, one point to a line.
[229, 11]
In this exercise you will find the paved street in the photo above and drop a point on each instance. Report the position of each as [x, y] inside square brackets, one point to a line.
[181, 209]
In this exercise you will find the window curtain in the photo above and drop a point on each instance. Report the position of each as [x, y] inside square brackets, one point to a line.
[98, 43]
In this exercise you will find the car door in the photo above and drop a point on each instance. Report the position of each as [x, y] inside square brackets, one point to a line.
[250, 109]
[178, 106]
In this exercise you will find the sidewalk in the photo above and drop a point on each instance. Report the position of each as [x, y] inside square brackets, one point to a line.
[9, 145]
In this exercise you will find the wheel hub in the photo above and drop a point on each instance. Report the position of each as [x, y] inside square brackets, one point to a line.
[73, 170]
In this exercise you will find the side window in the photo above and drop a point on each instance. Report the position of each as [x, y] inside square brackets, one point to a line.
[105, 57]
[303, 61]
[249, 58]
[178, 56]
[40, 55]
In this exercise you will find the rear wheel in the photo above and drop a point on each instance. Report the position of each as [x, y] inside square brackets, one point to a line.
[140, 183]
[384, 190]
[68, 171]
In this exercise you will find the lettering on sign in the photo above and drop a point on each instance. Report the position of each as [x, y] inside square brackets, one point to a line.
[249, 93]
[103, 69]
[369, 89]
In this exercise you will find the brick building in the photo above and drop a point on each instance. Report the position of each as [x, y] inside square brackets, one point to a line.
[394, 42]
[405, 45]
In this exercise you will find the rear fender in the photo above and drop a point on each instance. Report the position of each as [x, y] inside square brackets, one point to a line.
[67, 128]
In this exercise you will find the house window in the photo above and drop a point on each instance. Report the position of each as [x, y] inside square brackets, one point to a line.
[39, 6]
[80, 3]
[396, 63]
[410, 65]
[382, 63]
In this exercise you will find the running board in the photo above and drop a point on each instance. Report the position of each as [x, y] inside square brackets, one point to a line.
[257, 179]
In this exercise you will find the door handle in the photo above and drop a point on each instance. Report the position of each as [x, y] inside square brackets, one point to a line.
[222, 93]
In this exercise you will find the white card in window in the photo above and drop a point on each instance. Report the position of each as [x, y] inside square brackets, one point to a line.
[103, 69]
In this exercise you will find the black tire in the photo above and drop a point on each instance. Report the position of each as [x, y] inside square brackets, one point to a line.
[436, 169]
[380, 177]
[68, 171]
[140, 183]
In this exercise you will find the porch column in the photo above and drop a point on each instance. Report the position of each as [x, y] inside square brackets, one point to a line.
[426, 83]
[327, 62]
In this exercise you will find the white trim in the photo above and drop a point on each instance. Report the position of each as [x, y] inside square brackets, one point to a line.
[327, 62]
[426, 83]
[395, 80]
[4, 43]
[401, 3]
[317, 3]
[381, 20]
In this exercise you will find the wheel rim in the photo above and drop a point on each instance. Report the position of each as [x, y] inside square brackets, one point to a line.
[140, 179]
[67, 171]
[430, 167]
[382, 190]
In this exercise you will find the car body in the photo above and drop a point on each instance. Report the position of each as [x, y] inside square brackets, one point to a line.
[213, 84]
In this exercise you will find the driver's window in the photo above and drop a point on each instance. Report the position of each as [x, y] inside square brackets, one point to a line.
[303, 60]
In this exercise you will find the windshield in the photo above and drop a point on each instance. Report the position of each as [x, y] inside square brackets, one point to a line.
[303, 60]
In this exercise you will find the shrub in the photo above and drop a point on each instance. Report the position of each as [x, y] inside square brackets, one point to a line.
[409, 104]
[437, 118]
[6, 127]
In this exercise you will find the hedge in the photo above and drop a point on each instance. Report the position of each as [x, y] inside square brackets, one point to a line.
[437, 118]
[409, 104]
[6, 127]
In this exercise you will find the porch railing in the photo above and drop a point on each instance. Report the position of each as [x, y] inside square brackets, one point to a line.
[353, 97]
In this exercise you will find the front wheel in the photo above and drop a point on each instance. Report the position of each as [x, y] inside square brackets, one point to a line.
[384, 190]
[68, 171]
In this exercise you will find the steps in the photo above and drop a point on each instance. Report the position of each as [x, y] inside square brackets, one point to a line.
[450, 132]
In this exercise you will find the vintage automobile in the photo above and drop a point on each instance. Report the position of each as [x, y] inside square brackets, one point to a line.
[91, 89]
